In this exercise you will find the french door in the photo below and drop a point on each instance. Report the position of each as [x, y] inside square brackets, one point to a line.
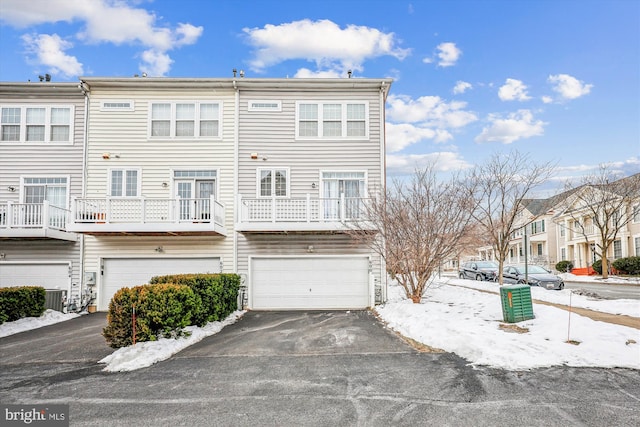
[195, 198]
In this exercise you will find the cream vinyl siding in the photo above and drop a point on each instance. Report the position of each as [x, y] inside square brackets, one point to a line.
[125, 135]
[43, 160]
[273, 135]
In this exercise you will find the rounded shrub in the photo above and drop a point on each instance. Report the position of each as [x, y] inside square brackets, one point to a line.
[597, 266]
[161, 310]
[564, 266]
[629, 265]
[21, 301]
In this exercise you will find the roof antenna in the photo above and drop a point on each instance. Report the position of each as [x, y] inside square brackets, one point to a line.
[349, 73]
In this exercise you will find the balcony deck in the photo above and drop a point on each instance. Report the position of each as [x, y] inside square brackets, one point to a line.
[307, 214]
[34, 221]
[147, 217]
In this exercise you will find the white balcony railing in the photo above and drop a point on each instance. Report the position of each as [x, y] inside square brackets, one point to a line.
[146, 214]
[32, 215]
[285, 213]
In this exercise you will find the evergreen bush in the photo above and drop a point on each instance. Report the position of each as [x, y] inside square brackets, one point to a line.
[218, 292]
[564, 266]
[21, 301]
[161, 310]
[629, 265]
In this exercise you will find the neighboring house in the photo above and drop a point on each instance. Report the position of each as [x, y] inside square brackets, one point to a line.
[42, 127]
[574, 221]
[311, 152]
[536, 223]
[159, 190]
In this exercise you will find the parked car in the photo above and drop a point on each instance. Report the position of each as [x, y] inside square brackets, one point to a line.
[478, 270]
[537, 276]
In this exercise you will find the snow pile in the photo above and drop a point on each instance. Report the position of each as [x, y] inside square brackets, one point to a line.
[144, 354]
[468, 322]
[49, 317]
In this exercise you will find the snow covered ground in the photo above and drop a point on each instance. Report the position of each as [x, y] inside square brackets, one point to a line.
[49, 317]
[455, 316]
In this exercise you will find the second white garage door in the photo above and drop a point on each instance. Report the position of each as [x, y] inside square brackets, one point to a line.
[309, 283]
[49, 275]
[119, 273]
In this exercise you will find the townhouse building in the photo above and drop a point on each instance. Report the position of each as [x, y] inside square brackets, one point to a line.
[310, 157]
[42, 129]
[263, 177]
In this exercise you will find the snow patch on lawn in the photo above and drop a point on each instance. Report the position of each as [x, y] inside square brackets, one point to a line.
[467, 322]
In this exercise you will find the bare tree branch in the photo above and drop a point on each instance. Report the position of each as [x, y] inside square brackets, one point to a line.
[501, 187]
[419, 225]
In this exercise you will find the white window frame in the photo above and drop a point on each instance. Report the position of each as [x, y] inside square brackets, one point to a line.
[636, 246]
[635, 213]
[118, 105]
[265, 105]
[273, 182]
[23, 185]
[22, 139]
[613, 247]
[350, 171]
[173, 120]
[343, 120]
[124, 178]
[195, 178]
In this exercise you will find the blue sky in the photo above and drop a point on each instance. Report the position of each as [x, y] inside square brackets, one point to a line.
[557, 79]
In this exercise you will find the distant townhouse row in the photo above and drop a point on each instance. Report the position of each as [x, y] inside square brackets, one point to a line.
[109, 182]
[563, 230]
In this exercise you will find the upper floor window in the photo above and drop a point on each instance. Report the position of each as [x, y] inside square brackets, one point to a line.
[332, 120]
[36, 124]
[636, 213]
[273, 182]
[124, 183]
[537, 227]
[185, 119]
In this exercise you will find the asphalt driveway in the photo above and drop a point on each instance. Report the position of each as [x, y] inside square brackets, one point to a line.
[300, 369]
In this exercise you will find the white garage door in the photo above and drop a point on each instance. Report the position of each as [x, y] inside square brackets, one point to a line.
[49, 275]
[119, 273]
[299, 283]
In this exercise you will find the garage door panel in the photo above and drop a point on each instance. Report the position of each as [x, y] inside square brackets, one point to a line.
[119, 273]
[310, 283]
[47, 275]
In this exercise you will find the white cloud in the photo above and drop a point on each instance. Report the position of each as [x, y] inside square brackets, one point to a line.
[305, 73]
[49, 50]
[406, 164]
[400, 136]
[448, 54]
[430, 111]
[513, 90]
[322, 42]
[461, 87]
[568, 87]
[108, 21]
[547, 99]
[155, 63]
[518, 125]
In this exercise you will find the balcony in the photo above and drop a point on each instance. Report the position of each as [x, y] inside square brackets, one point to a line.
[34, 221]
[305, 214]
[147, 217]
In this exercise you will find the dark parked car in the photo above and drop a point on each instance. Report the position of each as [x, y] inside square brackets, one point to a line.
[537, 276]
[478, 270]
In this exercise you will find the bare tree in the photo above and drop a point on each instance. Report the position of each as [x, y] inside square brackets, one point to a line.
[600, 207]
[500, 188]
[418, 226]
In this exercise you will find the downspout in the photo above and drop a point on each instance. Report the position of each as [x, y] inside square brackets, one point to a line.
[236, 150]
[85, 138]
[383, 184]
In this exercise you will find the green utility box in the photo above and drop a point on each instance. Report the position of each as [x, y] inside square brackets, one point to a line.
[516, 303]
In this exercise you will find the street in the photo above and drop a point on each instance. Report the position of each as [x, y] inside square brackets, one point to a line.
[605, 290]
